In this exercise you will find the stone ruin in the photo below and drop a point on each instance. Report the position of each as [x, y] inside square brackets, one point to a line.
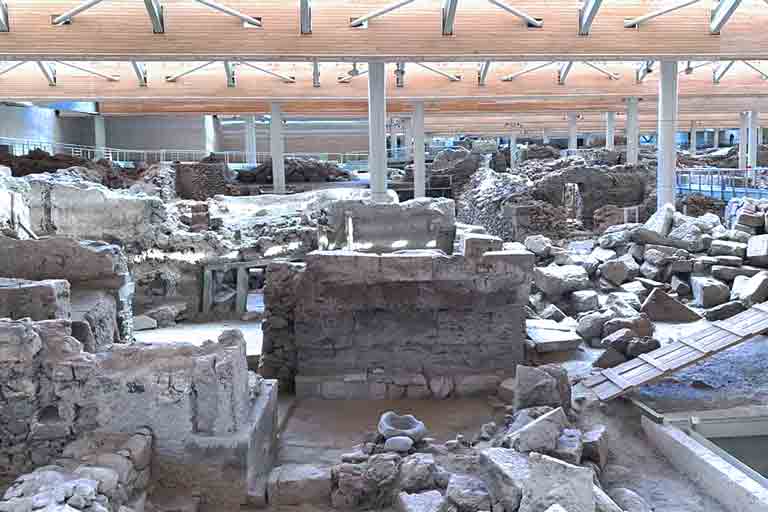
[417, 323]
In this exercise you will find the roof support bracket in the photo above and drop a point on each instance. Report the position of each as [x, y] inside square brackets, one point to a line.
[563, 72]
[229, 69]
[88, 70]
[482, 74]
[587, 13]
[285, 78]
[719, 72]
[315, 74]
[525, 71]
[449, 16]
[67, 16]
[49, 71]
[602, 70]
[175, 77]
[141, 72]
[400, 75]
[248, 21]
[5, 25]
[759, 71]
[636, 22]
[530, 20]
[12, 67]
[305, 14]
[155, 11]
[452, 78]
[721, 14]
[359, 22]
[643, 71]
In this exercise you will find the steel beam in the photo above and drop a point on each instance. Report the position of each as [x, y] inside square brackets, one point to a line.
[632, 130]
[449, 16]
[67, 16]
[690, 67]
[315, 74]
[762, 73]
[452, 78]
[721, 14]
[155, 11]
[482, 75]
[636, 22]
[305, 16]
[5, 25]
[400, 75]
[88, 70]
[140, 69]
[666, 150]
[525, 71]
[12, 67]
[643, 71]
[285, 78]
[380, 12]
[49, 71]
[248, 20]
[564, 71]
[602, 70]
[754, 141]
[175, 77]
[530, 20]
[719, 72]
[587, 13]
[229, 69]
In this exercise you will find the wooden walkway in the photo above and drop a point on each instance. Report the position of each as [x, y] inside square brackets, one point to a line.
[688, 350]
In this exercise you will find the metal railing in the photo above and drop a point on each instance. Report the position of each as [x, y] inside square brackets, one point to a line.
[723, 184]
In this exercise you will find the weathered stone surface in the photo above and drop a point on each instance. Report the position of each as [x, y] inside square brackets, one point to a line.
[595, 445]
[660, 307]
[399, 444]
[751, 290]
[297, 484]
[708, 291]
[555, 281]
[638, 346]
[584, 300]
[38, 300]
[569, 446]
[418, 472]
[610, 358]
[536, 387]
[661, 221]
[556, 482]
[423, 502]
[144, 323]
[629, 500]
[640, 325]
[618, 340]
[538, 245]
[757, 250]
[725, 248]
[726, 273]
[540, 435]
[620, 270]
[680, 286]
[725, 310]
[507, 474]
[591, 324]
[691, 234]
[467, 493]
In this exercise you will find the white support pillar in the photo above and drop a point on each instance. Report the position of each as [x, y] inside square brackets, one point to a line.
[250, 141]
[716, 138]
[632, 131]
[667, 153]
[513, 151]
[743, 139]
[545, 137]
[209, 134]
[610, 130]
[392, 138]
[99, 136]
[573, 137]
[377, 129]
[277, 148]
[419, 160]
[754, 140]
[408, 137]
[692, 138]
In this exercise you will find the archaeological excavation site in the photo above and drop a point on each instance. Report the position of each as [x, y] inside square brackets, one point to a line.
[383, 255]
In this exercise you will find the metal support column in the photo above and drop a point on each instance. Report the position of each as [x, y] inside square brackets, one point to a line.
[277, 148]
[692, 139]
[250, 141]
[716, 138]
[377, 129]
[743, 139]
[513, 151]
[667, 155]
[419, 160]
[408, 137]
[209, 134]
[754, 140]
[610, 130]
[99, 136]
[573, 138]
[632, 131]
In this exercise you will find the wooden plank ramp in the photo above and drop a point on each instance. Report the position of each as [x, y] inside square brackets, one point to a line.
[674, 356]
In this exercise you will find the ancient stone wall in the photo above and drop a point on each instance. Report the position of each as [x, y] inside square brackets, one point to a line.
[214, 422]
[202, 180]
[417, 324]
[91, 266]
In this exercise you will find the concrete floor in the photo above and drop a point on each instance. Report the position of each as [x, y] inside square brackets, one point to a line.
[198, 333]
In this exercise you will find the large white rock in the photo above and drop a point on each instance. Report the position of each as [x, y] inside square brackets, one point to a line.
[296, 484]
[620, 270]
[423, 502]
[554, 482]
[661, 221]
[752, 290]
[555, 280]
[709, 292]
[507, 471]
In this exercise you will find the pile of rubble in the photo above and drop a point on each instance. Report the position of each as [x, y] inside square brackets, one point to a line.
[38, 161]
[536, 459]
[296, 170]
